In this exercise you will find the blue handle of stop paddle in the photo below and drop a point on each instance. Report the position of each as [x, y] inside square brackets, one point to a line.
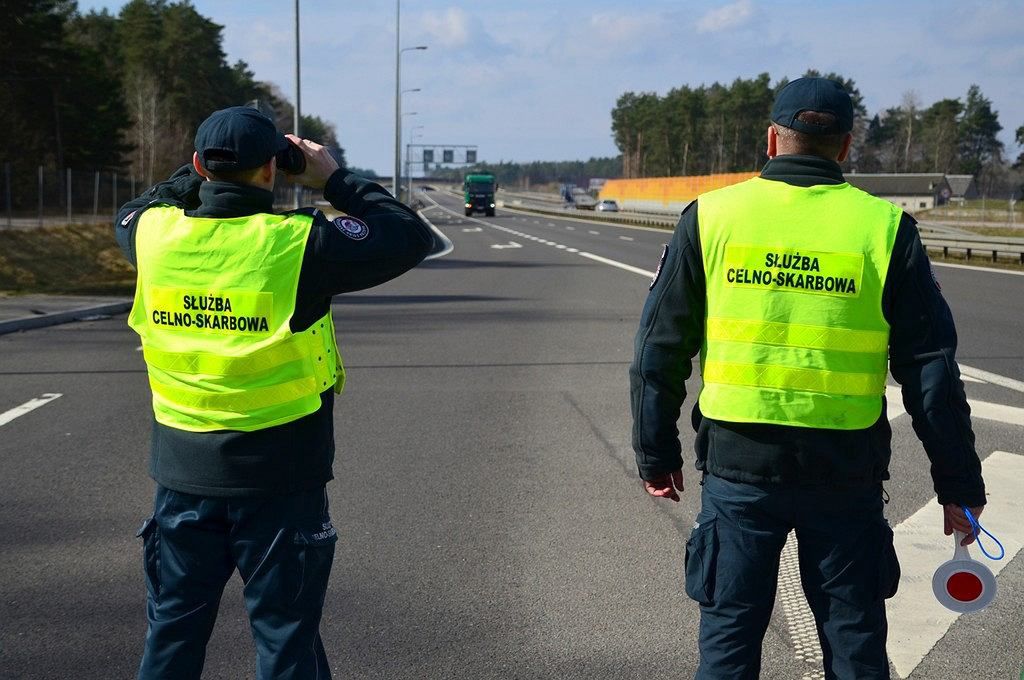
[976, 526]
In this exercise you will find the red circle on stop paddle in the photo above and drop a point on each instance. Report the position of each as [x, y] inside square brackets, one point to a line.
[964, 586]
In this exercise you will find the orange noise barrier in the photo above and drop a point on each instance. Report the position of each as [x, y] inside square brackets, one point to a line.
[668, 191]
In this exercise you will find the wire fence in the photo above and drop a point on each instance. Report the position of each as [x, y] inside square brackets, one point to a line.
[51, 197]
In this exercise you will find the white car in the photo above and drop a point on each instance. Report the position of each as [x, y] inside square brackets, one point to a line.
[607, 205]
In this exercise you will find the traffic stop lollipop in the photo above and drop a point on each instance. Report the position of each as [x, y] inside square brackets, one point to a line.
[963, 584]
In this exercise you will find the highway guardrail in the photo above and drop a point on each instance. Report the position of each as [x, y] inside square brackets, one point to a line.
[989, 248]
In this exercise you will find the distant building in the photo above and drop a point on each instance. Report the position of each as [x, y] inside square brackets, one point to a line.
[909, 191]
[963, 187]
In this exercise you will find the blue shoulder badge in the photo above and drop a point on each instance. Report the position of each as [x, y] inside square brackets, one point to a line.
[352, 227]
[661, 264]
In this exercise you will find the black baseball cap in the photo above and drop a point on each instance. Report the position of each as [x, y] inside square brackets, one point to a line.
[237, 138]
[813, 94]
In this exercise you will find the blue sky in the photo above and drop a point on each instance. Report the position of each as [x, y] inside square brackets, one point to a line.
[536, 80]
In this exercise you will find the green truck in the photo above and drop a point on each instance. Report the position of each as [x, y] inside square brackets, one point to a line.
[478, 192]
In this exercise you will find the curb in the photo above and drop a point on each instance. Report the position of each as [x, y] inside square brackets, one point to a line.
[30, 322]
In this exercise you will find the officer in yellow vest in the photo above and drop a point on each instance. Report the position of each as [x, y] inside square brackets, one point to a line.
[233, 306]
[798, 292]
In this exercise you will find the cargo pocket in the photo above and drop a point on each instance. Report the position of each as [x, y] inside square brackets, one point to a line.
[888, 564]
[699, 561]
[150, 535]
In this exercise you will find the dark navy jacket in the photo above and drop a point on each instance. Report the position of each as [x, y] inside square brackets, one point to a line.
[922, 345]
[298, 455]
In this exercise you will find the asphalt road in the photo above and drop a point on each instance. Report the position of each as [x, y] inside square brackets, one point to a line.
[491, 522]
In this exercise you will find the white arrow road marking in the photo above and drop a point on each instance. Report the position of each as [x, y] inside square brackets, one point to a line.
[31, 405]
[916, 620]
[510, 244]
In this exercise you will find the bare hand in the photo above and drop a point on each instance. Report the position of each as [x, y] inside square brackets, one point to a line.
[320, 164]
[955, 519]
[665, 486]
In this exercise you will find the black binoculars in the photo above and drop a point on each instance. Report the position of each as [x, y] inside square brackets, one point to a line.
[291, 160]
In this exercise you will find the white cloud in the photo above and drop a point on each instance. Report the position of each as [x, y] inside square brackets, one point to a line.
[450, 28]
[728, 16]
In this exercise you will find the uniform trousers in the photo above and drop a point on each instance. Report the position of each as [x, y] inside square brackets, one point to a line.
[848, 568]
[283, 549]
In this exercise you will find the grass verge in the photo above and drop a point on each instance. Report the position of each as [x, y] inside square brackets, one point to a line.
[79, 259]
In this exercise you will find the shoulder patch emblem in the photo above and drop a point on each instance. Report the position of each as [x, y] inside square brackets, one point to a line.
[352, 227]
[661, 263]
[126, 220]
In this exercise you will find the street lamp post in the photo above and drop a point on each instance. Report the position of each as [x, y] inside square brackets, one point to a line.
[398, 93]
[408, 171]
[398, 182]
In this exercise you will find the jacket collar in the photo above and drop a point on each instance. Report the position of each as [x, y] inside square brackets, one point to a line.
[803, 171]
[225, 199]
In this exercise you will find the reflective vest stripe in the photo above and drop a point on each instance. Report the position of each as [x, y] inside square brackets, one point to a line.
[792, 378]
[213, 364]
[796, 335]
[251, 398]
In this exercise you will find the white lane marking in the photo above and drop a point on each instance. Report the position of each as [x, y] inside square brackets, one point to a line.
[139, 348]
[916, 620]
[616, 263]
[1011, 415]
[589, 256]
[570, 228]
[595, 233]
[893, 402]
[970, 379]
[993, 378]
[625, 238]
[469, 230]
[800, 620]
[990, 270]
[551, 224]
[30, 405]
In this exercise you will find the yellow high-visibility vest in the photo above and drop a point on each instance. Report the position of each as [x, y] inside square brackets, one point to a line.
[213, 302]
[794, 333]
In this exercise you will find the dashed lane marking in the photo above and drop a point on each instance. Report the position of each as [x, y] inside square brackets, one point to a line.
[625, 238]
[595, 233]
[546, 242]
[616, 263]
[916, 619]
[27, 407]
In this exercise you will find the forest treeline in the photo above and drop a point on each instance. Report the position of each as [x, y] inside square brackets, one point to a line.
[721, 128]
[522, 175]
[119, 92]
